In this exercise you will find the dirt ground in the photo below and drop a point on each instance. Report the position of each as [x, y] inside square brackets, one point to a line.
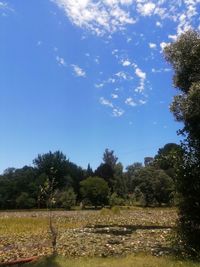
[87, 233]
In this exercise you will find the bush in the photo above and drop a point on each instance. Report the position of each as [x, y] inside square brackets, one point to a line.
[24, 201]
[115, 200]
[67, 199]
[95, 190]
[154, 187]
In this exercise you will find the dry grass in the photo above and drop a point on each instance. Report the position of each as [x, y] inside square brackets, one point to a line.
[86, 233]
[129, 261]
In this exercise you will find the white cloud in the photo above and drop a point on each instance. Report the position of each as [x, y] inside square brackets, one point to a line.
[99, 17]
[163, 45]
[5, 7]
[129, 101]
[99, 85]
[78, 71]
[105, 102]
[122, 75]
[60, 61]
[140, 73]
[146, 9]
[142, 102]
[111, 80]
[172, 37]
[158, 24]
[114, 96]
[126, 63]
[117, 112]
[96, 60]
[152, 45]
[160, 70]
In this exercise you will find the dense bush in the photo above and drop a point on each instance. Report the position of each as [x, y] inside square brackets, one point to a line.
[154, 187]
[96, 190]
[66, 199]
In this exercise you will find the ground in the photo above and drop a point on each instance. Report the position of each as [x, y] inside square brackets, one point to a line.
[87, 233]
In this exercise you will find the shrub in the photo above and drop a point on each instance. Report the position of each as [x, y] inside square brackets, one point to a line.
[67, 199]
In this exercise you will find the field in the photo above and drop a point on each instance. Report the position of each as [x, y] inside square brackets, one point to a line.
[87, 233]
[141, 260]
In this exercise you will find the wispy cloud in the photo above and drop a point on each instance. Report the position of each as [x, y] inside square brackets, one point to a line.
[160, 70]
[142, 76]
[61, 61]
[116, 111]
[78, 71]
[146, 9]
[109, 16]
[99, 17]
[114, 96]
[129, 101]
[142, 102]
[163, 45]
[4, 6]
[105, 102]
[140, 73]
[152, 45]
[125, 63]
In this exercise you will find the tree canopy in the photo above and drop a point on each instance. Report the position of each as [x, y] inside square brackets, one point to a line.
[184, 55]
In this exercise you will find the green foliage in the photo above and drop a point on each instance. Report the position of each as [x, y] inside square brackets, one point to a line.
[154, 187]
[166, 159]
[130, 176]
[115, 200]
[96, 190]
[24, 201]
[67, 199]
[184, 55]
[109, 158]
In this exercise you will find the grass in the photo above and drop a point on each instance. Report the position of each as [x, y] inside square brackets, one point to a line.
[129, 261]
[90, 234]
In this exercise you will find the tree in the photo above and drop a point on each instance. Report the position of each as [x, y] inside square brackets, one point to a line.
[55, 165]
[109, 158]
[24, 201]
[89, 172]
[166, 159]
[95, 190]
[184, 56]
[119, 181]
[154, 186]
[131, 175]
[67, 199]
[106, 170]
[148, 161]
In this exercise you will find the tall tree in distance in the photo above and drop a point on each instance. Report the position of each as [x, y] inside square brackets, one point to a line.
[110, 158]
[184, 56]
[106, 169]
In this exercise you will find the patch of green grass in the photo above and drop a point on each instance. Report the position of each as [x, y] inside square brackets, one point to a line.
[129, 261]
[13, 226]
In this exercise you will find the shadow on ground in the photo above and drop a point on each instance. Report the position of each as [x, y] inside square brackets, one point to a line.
[123, 229]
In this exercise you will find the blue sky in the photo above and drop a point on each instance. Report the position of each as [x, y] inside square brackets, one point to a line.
[82, 76]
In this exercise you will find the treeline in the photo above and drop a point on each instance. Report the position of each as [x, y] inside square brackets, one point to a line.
[149, 185]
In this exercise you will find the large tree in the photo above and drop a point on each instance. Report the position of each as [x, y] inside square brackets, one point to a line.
[56, 165]
[184, 55]
[94, 190]
[165, 159]
[153, 186]
[106, 170]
